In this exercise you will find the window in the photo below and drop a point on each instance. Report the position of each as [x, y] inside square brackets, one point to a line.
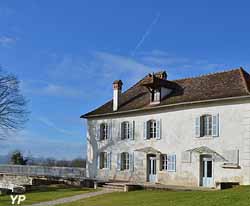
[124, 161]
[125, 130]
[156, 95]
[164, 162]
[152, 129]
[168, 162]
[206, 125]
[103, 160]
[103, 131]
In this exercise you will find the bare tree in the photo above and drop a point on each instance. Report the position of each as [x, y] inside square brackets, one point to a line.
[13, 113]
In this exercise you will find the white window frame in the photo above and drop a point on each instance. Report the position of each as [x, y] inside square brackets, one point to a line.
[156, 95]
[206, 125]
[125, 161]
[152, 126]
[164, 162]
[103, 160]
[125, 130]
[103, 131]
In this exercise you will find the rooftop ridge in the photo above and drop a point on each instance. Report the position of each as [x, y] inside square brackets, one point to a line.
[209, 74]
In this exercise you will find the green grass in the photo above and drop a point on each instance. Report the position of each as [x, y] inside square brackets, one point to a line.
[239, 196]
[46, 193]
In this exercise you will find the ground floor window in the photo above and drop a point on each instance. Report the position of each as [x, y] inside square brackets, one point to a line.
[164, 162]
[168, 162]
[124, 161]
[103, 160]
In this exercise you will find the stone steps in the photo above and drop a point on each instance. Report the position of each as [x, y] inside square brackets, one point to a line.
[115, 186]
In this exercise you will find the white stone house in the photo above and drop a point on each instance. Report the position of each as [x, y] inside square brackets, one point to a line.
[190, 132]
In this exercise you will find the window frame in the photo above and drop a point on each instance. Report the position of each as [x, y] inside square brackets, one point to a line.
[164, 162]
[103, 131]
[152, 129]
[206, 125]
[125, 127]
[156, 96]
[125, 161]
[103, 158]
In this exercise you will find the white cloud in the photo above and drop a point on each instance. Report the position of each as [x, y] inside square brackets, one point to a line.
[52, 125]
[6, 41]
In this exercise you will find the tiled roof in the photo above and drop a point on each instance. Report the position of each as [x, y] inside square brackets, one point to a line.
[233, 83]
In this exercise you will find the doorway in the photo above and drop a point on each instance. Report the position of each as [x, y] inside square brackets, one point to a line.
[151, 168]
[207, 171]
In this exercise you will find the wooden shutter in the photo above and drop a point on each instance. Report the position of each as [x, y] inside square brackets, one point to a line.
[98, 161]
[118, 164]
[110, 130]
[131, 161]
[215, 125]
[158, 129]
[109, 159]
[171, 163]
[98, 132]
[132, 130]
[186, 157]
[197, 126]
[145, 130]
[231, 156]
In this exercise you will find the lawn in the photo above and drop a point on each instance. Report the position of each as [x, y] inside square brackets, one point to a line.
[238, 196]
[46, 193]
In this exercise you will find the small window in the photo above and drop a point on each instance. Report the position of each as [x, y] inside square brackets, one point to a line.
[156, 95]
[103, 160]
[124, 161]
[103, 131]
[164, 162]
[152, 129]
[206, 125]
[125, 130]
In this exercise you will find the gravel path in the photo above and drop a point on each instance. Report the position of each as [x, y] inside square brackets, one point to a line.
[72, 199]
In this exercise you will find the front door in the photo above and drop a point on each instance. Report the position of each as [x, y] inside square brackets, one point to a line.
[207, 172]
[152, 168]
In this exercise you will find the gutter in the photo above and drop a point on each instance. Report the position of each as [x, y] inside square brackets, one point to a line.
[165, 106]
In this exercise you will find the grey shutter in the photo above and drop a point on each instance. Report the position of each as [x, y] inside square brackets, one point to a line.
[158, 129]
[145, 130]
[197, 126]
[132, 130]
[120, 136]
[186, 157]
[110, 131]
[98, 161]
[171, 164]
[215, 125]
[131, 161]
[231, 156]
[109, 159]
[98, 132]
[118, 164]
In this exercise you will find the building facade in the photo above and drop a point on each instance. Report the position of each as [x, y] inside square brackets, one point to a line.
[189, 132]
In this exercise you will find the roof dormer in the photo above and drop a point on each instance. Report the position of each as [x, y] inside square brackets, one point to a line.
[158, 85]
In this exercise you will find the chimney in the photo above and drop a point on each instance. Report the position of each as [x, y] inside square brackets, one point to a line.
[117, 90]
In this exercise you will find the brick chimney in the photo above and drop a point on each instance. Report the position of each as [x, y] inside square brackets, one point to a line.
[117, 90]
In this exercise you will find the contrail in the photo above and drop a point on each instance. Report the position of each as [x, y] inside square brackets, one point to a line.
[145, 35]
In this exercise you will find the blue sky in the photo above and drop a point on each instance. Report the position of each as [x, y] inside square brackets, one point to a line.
[67, 54]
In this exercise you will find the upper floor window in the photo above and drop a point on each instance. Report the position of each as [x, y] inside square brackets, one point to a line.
[152, 129]
[206, 125]
[156, 95]
[103, 131]
[125, 161]
[125, 129]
